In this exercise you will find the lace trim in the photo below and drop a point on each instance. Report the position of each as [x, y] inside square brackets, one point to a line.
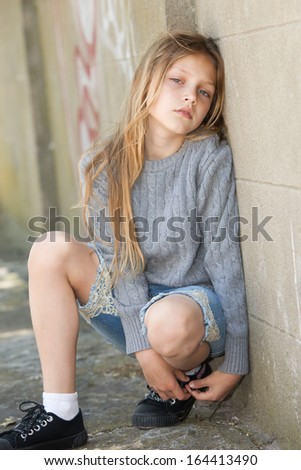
[212, 330]
[100, 299]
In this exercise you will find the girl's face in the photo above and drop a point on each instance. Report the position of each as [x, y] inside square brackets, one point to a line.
[185, 97]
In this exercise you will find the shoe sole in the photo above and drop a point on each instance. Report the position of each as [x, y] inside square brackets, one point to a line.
[149, 422]
[70, 442]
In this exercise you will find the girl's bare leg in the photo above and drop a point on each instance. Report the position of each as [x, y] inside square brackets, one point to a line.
[60, 269]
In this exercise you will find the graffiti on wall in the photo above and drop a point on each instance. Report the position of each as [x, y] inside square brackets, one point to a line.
[117, 34]
[88, 118]
[97, 32]
[81, 105]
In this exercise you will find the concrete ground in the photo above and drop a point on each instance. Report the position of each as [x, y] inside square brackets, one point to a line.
[109, 385]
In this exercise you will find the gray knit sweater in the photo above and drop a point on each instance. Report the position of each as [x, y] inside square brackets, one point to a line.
[185, 211]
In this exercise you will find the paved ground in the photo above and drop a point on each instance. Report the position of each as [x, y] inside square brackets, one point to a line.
[108, 384]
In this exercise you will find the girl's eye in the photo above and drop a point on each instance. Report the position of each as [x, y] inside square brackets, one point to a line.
[176, 80]
[204, 93]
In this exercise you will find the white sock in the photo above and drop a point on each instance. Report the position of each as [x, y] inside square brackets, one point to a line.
[63, 405]
[193, 371]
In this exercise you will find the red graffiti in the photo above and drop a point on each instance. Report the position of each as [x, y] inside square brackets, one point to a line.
[88, 119]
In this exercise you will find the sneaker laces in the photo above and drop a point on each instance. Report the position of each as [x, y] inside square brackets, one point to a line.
[35, 419]
[152, 395]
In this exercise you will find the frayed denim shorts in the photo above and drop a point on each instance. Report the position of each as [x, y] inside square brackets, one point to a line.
[100, 311]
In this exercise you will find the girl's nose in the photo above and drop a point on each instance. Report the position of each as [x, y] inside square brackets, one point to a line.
[190, 97]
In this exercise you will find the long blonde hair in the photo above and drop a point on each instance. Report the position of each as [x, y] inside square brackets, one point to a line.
[122, 155]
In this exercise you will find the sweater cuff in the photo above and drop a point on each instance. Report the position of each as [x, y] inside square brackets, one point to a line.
[130, 319]
[236, 360]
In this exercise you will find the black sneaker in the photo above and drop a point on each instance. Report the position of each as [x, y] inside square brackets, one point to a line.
[42, 430]
[153, 412]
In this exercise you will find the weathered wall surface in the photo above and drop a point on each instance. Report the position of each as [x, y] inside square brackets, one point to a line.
[18, 163]
[260, 44]
[65, 67]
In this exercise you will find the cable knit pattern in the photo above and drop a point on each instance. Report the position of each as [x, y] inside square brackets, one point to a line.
[185, 210]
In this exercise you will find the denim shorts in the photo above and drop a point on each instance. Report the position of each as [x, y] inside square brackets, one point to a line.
[100, 311]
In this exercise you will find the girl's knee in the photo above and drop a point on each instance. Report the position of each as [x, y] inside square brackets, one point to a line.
[51, 247]
[175, 326]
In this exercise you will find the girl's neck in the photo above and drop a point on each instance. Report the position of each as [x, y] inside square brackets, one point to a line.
[159, 148]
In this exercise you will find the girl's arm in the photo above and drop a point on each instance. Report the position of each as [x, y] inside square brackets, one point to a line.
[223, 262]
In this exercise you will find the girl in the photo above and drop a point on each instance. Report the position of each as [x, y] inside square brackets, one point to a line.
[162, 277]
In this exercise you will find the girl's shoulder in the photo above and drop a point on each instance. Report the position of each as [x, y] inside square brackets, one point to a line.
[210, 151]
[211, 159]
[99, 179]
[88, 157]
[209, 145]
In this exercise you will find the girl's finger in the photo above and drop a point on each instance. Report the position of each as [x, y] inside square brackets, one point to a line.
[201, 394]
[200, 383]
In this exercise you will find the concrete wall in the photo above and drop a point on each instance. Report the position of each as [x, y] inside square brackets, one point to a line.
[65, 67]
[19, 173]
[260, 44]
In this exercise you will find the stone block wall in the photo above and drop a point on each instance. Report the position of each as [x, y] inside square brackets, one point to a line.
[260, 45]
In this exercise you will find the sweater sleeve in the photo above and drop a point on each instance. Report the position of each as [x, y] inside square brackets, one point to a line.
[223, 262]
[130, 292]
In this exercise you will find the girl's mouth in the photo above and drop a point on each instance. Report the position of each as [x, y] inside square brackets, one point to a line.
[185, 112]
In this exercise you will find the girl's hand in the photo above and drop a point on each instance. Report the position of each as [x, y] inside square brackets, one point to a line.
[161, 376]
[218, 386]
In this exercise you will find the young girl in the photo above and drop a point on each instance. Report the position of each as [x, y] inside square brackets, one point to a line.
[162, 277]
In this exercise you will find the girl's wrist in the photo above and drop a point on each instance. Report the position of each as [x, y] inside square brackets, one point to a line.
[143, 355]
